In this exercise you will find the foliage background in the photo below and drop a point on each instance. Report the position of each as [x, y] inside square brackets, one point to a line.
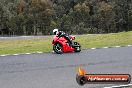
[40, 17]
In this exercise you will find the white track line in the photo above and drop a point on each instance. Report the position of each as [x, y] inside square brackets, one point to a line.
[120, 86]
[117, 46]
[93, 48]
[3, 55]
[105, 47]
[52, 51]
[39, 52]
[27, 53]
[15, 54]
[129, 45]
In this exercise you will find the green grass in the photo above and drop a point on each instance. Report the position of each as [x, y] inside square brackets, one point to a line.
[44, 44]
[104, 40]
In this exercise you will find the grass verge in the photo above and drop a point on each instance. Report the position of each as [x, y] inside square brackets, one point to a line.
[44, 44]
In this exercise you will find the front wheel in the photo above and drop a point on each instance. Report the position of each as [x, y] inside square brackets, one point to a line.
[58, 48]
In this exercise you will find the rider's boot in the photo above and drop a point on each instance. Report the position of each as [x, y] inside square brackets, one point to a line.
[71, 43]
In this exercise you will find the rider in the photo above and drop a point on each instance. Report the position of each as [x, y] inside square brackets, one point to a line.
[63, 34]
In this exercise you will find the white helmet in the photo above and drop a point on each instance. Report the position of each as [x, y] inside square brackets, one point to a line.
[55, 31]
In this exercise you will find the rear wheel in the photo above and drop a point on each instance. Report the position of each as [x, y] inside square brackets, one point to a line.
[58, 48]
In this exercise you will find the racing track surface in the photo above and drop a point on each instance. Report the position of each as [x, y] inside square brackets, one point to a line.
[49, 70]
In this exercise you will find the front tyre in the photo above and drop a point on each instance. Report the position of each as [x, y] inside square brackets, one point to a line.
[57, 47]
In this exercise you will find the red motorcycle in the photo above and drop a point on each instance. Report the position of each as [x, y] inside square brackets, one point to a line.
[61, 45]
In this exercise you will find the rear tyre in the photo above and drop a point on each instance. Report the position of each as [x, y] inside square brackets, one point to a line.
[58, 48]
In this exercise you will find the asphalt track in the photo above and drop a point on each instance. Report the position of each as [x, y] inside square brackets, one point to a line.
[49, 70]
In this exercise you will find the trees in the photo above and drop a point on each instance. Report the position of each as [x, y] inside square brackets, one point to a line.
[106, 17]
[39, 17]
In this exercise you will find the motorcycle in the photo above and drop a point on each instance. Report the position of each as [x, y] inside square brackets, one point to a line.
[61, 45]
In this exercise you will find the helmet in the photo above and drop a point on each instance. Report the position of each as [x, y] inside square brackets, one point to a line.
[55, 31]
